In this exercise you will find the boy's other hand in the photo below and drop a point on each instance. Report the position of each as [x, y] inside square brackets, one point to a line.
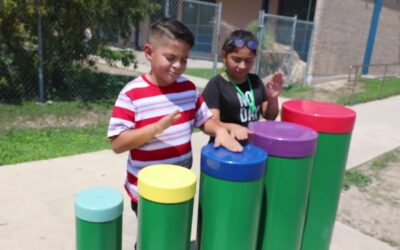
[167, 121]
[239, 132]
[223, 138]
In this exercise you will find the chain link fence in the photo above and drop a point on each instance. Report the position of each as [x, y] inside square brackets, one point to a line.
[285, 45]
[202, 18]
[62, 58]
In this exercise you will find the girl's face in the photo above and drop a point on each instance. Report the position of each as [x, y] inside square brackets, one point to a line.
[239, 63]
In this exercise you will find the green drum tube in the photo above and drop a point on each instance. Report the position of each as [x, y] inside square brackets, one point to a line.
[165, 207]
[334, 124]
[230, 198]
[98, 219]
[291, 149]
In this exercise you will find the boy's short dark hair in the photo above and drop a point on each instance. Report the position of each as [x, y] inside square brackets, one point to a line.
[172, 28]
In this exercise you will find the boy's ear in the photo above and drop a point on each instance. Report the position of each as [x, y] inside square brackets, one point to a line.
[148, 51]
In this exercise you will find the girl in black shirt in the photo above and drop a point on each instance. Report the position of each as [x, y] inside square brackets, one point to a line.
[236, 96]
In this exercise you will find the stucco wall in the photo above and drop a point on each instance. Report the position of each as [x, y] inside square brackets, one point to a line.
[341, 32]
[238, 14]
[273, 7]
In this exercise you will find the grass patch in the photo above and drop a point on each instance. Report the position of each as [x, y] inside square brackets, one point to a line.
[297, 91]
[374, 90]
[384, 160]
[390, 241]
[21, 145]
[31, 111]
[355, 178]
[203, 72]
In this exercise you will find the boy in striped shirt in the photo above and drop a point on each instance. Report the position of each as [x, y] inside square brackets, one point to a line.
[155, 113]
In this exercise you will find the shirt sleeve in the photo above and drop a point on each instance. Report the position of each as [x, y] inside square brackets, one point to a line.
[203, 113]
[211, 94]
[122, 117]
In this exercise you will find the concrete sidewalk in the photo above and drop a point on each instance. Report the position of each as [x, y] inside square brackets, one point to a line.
[37, 198]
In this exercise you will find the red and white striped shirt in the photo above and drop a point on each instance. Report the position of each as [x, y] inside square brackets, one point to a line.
[142, 102]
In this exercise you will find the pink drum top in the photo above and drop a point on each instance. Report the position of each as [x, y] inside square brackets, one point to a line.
[320, 116]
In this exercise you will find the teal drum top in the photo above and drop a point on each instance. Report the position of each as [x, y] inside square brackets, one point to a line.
[100, 204]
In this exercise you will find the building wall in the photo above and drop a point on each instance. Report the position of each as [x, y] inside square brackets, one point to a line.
[273, 7]
[237, 14]
[341, 32]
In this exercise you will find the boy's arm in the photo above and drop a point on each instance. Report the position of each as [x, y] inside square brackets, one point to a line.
[134, 138]
[222, 138]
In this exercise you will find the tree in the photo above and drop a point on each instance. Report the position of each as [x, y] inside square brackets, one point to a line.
[72, 30]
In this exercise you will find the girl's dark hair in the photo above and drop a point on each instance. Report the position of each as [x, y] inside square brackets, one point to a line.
[229, 46]
[172, 28]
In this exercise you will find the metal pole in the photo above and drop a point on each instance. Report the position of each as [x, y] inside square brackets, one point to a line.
[307, 77]
[217, 32]
[179, 10]
[383, 80]
[166, 10]
[293, 37]
[40, 48]
[309, 10]
[260, 35]
[371, 36]
[354, 85]
[349, 79]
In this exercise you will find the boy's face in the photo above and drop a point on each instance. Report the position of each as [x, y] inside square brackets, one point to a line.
[168, 58]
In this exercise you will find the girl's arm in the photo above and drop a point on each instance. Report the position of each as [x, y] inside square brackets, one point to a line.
[273, 88]
[235, 130]
[214, 128]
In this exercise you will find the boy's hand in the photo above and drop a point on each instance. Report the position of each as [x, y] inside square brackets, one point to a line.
[222, 138]
[275, 85]
[166, 121]
[239, 132]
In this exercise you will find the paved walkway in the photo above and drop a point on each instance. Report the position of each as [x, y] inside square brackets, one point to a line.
[37, 198]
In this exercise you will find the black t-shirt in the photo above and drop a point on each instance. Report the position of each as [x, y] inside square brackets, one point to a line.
[221, 94]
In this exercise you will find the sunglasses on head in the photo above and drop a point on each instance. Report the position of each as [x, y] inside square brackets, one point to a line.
[240, 43]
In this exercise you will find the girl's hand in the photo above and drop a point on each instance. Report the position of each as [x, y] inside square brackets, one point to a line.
[274, 87]
[223, 138]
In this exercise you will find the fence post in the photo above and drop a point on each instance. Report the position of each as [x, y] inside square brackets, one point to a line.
[293, 35]
[307, 76]
[40, 49]
[217, 31]
[349, 80]
[383, 81]
[166, 10]
[354, 85]
[260, 35]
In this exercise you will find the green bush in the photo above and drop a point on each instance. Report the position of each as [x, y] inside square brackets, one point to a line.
[89, 85]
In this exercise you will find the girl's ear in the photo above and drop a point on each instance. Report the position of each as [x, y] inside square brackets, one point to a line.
[223, 56]
[148, 51]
